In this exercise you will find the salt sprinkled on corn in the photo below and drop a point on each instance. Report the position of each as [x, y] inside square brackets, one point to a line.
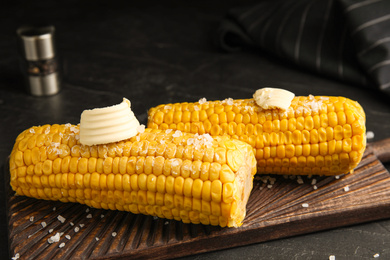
[202, 101]
[228, 101]
[177, 133]
[198, 140]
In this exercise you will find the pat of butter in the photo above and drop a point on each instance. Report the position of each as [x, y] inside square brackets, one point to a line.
[273, 98]
[108, 124]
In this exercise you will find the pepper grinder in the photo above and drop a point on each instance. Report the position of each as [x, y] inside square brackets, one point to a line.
[39, 61]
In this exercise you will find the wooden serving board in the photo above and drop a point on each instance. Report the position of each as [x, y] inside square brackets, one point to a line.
[272, 213]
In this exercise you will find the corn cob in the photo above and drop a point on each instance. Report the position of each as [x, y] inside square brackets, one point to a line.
[314, 136]
[168, 174]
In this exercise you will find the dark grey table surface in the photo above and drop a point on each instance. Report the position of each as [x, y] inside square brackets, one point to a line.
[155, 52]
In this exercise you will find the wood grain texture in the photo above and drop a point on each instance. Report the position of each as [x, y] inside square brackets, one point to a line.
[273, 213]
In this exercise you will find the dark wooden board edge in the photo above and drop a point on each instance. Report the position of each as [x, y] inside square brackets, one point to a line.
[252, 231]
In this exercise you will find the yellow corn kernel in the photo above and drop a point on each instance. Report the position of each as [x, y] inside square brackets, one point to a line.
[312, 126]
[154, 173]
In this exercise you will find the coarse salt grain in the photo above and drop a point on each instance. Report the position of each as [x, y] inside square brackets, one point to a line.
[81, 225]
[305, 205]
[31, 219]
[332, 257]
[299, 180]
[198, 140]
[43, 224]
[68, 237]
[113, 234]
[202, 101]
[87, 210]
[313, 181]
[101, 216]
[54, 239]
[71, 223]
[17, 256]
[61, 245]
[346, 188]
[51, 230]
[370, 135]
[54, 208]
[177, 133]
[376, 255]
[89, 216]
[229, 101]
[315, 187]
[76, 229]
[61, 218]
[96, 238]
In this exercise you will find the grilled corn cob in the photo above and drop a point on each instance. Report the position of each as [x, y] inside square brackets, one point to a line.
[314, 136]
[168, 174]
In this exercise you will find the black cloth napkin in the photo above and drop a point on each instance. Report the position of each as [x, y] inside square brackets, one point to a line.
[347, 40]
